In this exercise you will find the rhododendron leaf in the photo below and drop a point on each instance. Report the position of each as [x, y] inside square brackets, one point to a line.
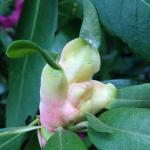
[130, 130]
[98, 125]
[90, 29]
[133, 96]
[65, 140]
[38, 24]
[7, 142]
[128, 20]
[22, 48]
[33, 143]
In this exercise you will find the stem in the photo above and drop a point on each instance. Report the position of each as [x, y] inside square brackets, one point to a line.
[19, 130]
[49, 60]
[34, 122]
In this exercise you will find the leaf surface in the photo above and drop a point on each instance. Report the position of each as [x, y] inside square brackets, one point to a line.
[90, 29]
[38, 24]
[65, 140]
[133, 96]
[128, 20]
[130, 130]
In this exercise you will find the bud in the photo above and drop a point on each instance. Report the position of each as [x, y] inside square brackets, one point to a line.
[101, 97]
[90, 96]
[66, 95]
[53, 93]
[79, 61]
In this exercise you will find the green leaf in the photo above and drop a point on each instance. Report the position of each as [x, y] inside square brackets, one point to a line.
[38, 24]
[90, 29]
[6, 143]
[98, 125]
[17, 130]
[131, 130]
[8, 140]
[33, 143]
[128, 20]
[64, 140]
[22, 48]
[133, 96]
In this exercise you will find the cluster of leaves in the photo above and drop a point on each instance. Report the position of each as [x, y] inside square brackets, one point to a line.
[124, 47]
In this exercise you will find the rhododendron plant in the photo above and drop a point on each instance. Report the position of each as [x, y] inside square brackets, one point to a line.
[65, 102]
[68, 94]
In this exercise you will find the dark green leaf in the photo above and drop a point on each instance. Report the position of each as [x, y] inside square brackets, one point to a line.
[38, 24]
[22, 48]
[98, 125]
[68, 10]
[64, 140]
[131, 130]
[6, 143]
[133, 96]
[9, 140]
[90, 29]
[33, 143]
[129, 20]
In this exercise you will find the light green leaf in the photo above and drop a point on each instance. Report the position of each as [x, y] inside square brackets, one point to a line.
[64, 140]
[130, 130]
[90, 29]
[133, 96]
[17, 130]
